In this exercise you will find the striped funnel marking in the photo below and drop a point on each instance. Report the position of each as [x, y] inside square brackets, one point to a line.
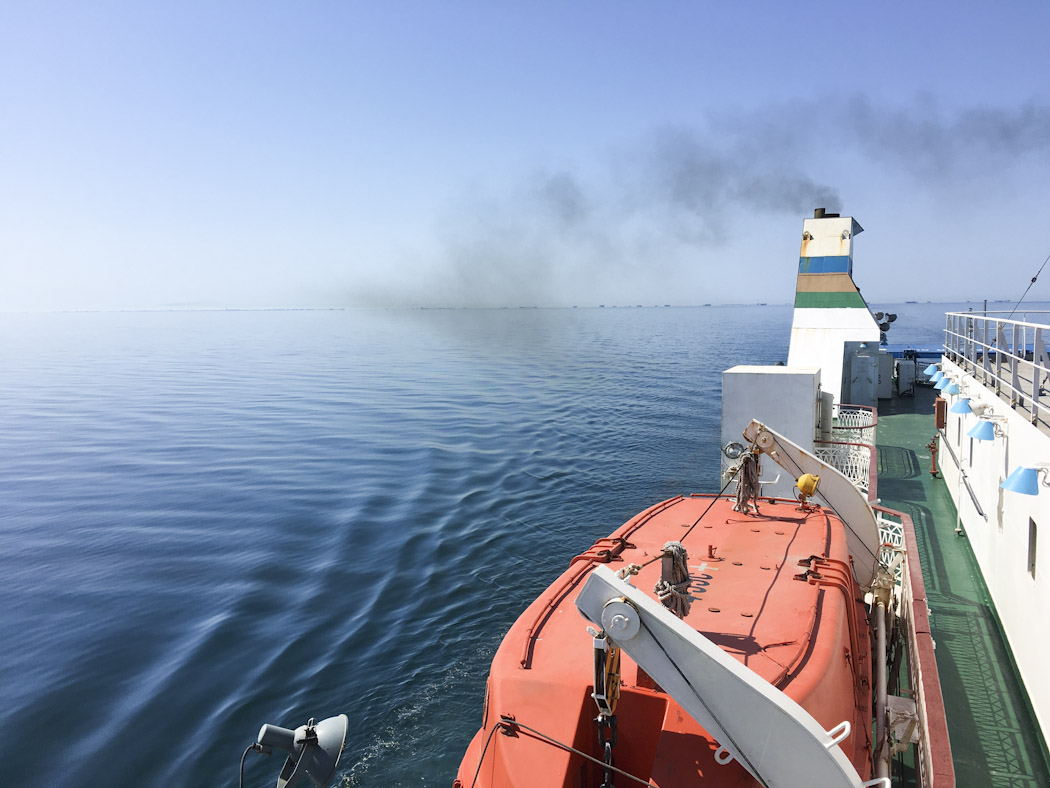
[825, 283]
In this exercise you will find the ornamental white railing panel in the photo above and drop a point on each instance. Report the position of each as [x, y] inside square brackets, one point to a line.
[891, 540]
[854, 424]
[855, 461]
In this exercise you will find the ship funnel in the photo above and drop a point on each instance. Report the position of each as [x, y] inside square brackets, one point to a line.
[829, 309]
[821, 213]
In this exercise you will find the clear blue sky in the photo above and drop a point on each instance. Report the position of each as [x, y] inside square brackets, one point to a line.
[240, 154]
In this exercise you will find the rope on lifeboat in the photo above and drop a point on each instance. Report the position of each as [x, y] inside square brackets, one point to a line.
[673, 586]
[748, 488]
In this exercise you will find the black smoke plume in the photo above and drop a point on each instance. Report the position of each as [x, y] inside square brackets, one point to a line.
[663, 201]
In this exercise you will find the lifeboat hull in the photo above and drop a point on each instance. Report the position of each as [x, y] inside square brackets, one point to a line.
[774, 590]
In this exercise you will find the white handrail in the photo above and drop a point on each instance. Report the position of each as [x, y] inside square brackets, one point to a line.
[997, 350]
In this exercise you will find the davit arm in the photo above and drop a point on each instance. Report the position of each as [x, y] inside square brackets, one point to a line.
[770, 735]
[838, 492]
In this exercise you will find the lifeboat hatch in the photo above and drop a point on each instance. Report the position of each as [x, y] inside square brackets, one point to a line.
[639, 724]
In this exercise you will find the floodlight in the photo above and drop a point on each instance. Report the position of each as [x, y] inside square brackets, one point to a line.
[313, 750]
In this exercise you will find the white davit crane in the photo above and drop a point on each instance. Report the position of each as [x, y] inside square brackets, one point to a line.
[768, 733]
[838, 492]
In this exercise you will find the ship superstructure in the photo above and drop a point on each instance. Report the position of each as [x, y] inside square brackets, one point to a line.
[993, 430]
[830, 312]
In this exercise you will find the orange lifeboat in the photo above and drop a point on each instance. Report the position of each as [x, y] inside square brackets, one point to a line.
[773, 590]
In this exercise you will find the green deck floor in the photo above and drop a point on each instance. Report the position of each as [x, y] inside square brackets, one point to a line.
[995, 740]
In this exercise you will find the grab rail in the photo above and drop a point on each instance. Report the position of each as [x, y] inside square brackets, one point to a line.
[997, 350]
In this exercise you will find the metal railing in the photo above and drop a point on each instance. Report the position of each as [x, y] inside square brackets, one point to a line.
[1009, 356]
[855, 461]
[933, 757]
[891, 542]
[854, 424]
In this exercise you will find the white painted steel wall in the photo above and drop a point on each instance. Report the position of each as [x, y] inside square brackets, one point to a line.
[785, 398]
[818, 336]
[1000, 543]
[885, 375]
[829, 236]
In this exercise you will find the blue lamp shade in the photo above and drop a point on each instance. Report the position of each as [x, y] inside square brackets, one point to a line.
[943, 383]
[1023, 480]
[953, 389]
[930, 369]
[983, 430]
[936, 376]
[962, 406]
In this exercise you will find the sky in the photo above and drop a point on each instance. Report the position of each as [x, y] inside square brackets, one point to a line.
[158, 155]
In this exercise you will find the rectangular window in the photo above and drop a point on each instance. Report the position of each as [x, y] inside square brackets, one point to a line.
[1032, 533]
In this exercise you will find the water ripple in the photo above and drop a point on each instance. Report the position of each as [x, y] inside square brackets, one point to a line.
[215, 520]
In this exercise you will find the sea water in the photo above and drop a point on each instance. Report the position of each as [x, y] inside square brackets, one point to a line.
[212, 520]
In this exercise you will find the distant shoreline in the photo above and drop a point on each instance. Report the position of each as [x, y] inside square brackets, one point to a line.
[427, 308]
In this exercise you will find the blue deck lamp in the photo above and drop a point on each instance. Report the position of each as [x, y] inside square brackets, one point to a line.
[953, 389]
[930, 370]
[983, 430]
[962, 406]
[1025, 480]
[943, 383]
[936, 377]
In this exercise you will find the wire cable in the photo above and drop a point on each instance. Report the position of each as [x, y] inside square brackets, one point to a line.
[510, 724]
[1019, 300]
[240, 779]
[481, 760]
[713, 502]
[737, 752]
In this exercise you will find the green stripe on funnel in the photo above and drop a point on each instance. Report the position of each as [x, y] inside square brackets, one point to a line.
[829, 300]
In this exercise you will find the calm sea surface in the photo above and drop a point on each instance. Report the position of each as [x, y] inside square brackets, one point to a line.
[212, 520]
